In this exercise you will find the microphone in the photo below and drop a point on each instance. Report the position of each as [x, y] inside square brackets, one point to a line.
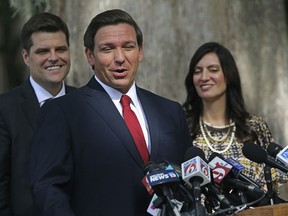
[196, 173]
[221, 173]
[257, 154]
[273, 149]
[161, 179]
[213, 191]
[237, 168]
[180, 190]
[220, 168]
[195, 169]
[276, 151]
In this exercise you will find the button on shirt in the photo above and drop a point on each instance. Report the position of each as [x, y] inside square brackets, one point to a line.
[135, 106]
[42, 94]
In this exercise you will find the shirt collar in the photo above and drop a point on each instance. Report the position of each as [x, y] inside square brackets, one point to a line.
[115, 95]
[42, 94]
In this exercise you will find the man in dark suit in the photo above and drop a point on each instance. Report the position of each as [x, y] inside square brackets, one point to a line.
[45, 39]
[84, 159]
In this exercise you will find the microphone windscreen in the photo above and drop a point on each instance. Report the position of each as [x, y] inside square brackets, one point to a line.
[147, 166]
[254, 152]
[194, 151]
[215, 154]
[273, 149]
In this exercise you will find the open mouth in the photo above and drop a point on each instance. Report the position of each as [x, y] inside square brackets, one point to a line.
[119, 71]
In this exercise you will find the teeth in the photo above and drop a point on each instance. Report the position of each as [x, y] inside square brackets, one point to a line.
[53, 68]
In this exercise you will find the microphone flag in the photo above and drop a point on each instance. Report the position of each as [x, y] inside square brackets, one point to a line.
[195, 167]
[220, 169]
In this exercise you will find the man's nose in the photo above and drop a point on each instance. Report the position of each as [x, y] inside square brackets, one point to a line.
[119, 56]
[53, 57]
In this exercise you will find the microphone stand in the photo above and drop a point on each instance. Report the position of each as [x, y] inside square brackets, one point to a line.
[164, 203]
[241, 197]
[199, 209]
[268, 178]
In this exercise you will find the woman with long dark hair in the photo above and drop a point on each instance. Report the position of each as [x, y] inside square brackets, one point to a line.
[216, 113]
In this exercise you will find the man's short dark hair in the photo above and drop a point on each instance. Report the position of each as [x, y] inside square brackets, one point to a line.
[110, 17]
[42, 22]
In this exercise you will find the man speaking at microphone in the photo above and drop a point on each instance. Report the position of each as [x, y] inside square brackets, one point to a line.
[90, 147]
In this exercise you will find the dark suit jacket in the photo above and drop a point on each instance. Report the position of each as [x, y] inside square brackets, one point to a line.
[18, 113]
[84, 160]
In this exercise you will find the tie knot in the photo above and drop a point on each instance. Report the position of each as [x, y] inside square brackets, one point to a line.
[125, 100]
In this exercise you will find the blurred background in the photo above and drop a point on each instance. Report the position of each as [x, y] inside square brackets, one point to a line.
[255, 31]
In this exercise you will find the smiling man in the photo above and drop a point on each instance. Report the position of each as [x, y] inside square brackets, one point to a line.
[45, 40]
[87, 159]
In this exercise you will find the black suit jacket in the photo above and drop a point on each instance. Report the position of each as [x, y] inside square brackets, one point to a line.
[18, 113]
[84, 160]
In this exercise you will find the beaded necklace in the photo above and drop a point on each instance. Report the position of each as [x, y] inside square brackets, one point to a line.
[216, 139]
[205, 131]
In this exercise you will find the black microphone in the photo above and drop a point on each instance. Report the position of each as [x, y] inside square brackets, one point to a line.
[236, 170]
[221, 166]
[211, 189]
[161, 180]
[279, 153]
[181, 191]
[273, 149]
[218, 195]
[195, 170]
[257, 154]
[196, 173]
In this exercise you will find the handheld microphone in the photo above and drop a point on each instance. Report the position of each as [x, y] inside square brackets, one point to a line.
[257, 154]
[195, 169]
[273, 149]
[221, 170]
[276, 151]
[196, 172]
[237, 170]
[211, 189]
[161, 179]
[180, 190]
[214, 192]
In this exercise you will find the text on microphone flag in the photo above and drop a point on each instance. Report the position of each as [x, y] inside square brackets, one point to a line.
[163, 176]
[195, 166]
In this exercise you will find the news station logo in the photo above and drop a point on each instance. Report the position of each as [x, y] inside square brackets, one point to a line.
[195, 167]
[204, 169]
[220, 171]
[189, 167]
[160, 177]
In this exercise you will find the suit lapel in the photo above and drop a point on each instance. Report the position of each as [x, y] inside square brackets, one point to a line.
[152, 121]
[29, 103]
[103, 105]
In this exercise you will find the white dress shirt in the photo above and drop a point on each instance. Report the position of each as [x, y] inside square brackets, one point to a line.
[42, 94]
[135, 106]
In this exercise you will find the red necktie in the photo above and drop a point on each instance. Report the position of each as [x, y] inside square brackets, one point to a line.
[134, 127]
